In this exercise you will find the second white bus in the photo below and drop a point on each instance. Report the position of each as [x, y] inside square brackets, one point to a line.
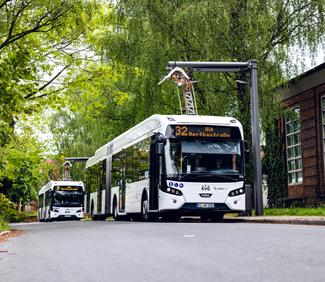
[61, 200]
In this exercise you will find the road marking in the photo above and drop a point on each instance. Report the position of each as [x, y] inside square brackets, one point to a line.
[189, 235]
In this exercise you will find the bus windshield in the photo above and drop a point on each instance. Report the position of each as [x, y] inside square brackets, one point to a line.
[204, 157]
[68, 196]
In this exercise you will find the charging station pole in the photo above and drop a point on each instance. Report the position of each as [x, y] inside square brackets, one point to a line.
[250, 66]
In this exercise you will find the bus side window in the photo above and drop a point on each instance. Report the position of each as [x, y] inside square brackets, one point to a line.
[142, 160]
[47, 198]
[103, 175]
[93, 179]
[40, 200]
[88, 183]
[116, 169]
[129, 165]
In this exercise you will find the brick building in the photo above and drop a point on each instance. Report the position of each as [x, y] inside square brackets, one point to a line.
[304, 129]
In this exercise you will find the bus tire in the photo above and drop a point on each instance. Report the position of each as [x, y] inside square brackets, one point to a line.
[217, 217]
[213, 217]
[48, 219]
[92, 214]
[145, 208]
[115, 213]
[102, 217]
[204, 217]
[171, 217]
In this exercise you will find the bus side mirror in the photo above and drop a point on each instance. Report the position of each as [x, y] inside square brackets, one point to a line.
[159, 149]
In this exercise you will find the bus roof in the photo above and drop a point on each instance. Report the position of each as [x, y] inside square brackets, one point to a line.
[51, 184]
[157, 124]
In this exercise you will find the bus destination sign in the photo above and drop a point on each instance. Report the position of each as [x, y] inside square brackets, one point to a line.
[204, 131]
[67, 188]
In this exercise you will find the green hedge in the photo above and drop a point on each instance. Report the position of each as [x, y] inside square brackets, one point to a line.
[317, 211]
[3, 225]
[8, 209]
[9, 213]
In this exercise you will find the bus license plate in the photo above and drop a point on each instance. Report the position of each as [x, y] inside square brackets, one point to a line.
[205, 205]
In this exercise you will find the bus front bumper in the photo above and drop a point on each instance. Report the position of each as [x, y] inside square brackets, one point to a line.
[173, 203]
[64, 215]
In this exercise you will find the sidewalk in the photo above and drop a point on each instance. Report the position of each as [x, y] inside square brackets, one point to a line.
[309, 220]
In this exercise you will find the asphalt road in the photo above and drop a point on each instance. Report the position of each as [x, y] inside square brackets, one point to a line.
[182, 251]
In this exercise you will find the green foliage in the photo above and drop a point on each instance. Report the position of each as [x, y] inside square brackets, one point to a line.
[142, 36]
[23, 168]
[3, 225]
[148, 34]
[9, 213]
[42, 48]
[8, 209]
[275, 166]
[318, 211]
[112, 87]
[93, 113]
[38, 43]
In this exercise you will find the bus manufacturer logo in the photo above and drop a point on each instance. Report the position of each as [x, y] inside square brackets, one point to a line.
[205, 188]
[205, 195]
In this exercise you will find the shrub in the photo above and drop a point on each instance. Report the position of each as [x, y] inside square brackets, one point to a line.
[8, 209]
[3, 225]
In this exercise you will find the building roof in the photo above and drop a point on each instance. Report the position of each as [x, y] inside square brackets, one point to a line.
[303, 82]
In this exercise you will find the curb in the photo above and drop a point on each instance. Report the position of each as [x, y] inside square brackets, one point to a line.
[4, 232]
[284, 220]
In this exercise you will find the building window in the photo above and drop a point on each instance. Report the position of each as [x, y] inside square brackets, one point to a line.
[293, 146]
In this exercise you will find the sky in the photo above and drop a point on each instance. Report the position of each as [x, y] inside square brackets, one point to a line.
[297, 55]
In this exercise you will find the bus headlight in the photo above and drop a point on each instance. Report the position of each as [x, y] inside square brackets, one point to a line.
[237, 192]
[172, 191]
[55, 210]
[79, 211]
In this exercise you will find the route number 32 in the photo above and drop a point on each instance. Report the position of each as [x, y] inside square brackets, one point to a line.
[181, 131]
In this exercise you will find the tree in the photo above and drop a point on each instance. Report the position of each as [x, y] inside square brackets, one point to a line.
[24, 170]
[42, 49]
[151, 33]
[141, 36]
[39, 41]
[95, 112]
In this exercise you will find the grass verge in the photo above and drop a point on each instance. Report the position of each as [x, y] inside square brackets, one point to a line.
[319, 211]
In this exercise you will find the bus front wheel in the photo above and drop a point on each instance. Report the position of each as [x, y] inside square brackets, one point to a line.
[214, 217]
[145, 210]
[217, 217]
[92, 213]
[115, 213]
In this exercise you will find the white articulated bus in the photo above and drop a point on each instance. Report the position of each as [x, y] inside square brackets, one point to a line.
[61, 200]
[169, 166]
